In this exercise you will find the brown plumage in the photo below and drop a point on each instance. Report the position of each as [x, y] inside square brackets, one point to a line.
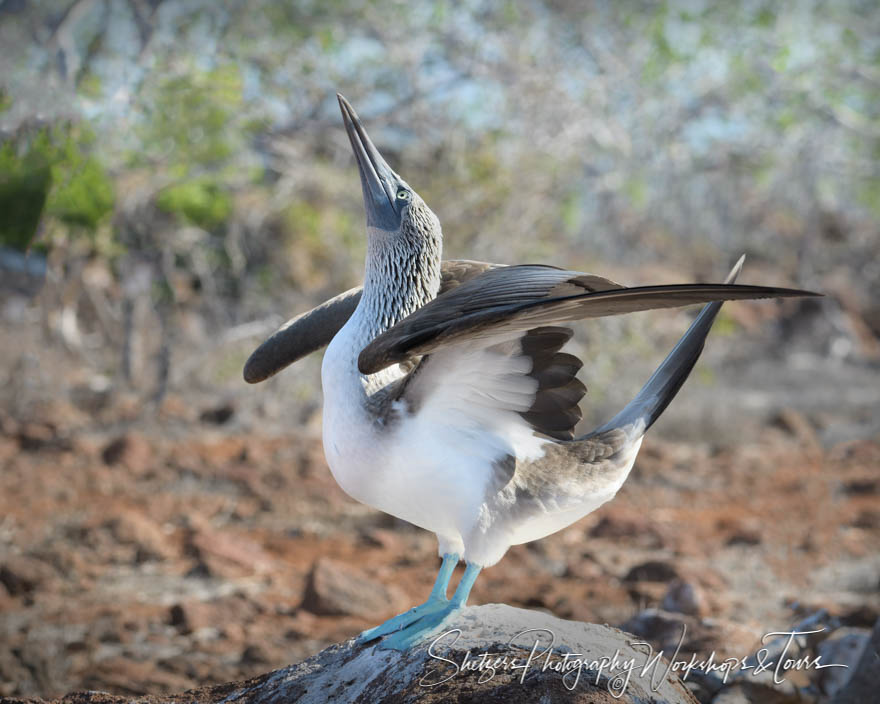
[556, 409]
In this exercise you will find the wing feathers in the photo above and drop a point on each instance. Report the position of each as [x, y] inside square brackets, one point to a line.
[668, 378]
[300, 336]
[555, 409]
[557, 371]
[475, 312]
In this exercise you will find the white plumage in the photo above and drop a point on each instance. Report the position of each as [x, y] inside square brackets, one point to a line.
[432, 467]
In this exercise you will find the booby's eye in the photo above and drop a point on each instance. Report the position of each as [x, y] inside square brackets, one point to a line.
[402, 194]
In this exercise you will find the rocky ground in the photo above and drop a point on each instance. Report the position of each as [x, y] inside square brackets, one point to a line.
[183, 551]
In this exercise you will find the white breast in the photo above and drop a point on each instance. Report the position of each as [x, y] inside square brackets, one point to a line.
[352, 446]
[431, 469]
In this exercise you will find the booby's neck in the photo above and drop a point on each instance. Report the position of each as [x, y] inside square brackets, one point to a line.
[402, 274]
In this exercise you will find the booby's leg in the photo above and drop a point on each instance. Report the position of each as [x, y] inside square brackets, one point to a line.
[463, 590]
[436, 602]
[432, 623]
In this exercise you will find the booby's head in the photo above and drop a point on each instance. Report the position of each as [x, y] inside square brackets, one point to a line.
[394, 210]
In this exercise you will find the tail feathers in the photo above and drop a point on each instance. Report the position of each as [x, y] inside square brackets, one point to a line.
[665, 382]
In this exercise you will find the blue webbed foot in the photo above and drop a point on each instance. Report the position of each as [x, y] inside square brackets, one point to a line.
[436, 602]
[407, 618]
[426, 626]
[432, 624]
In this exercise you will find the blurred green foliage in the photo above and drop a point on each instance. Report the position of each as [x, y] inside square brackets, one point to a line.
[52, 170]
[82, 192]
[188, 121]
[24, 185]
[203, 202]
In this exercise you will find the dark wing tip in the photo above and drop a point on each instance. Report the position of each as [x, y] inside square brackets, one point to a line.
[370, 363]
[250, 375]
[794, 292]
[392, 347]
[260, 366]
[273, 355]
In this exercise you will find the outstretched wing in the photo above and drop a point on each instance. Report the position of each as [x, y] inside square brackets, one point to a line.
[515, 299]
[301, 335]
[490, 354]
[312, 330]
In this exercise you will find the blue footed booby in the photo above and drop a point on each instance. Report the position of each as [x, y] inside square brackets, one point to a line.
[447, 399]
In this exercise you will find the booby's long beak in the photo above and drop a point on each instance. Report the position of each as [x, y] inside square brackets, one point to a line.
[378, 181]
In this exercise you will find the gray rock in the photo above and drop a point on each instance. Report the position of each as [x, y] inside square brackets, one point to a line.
[845, 647]
[446, 668]
[756, 693]
[440, 669]
[862, 685]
